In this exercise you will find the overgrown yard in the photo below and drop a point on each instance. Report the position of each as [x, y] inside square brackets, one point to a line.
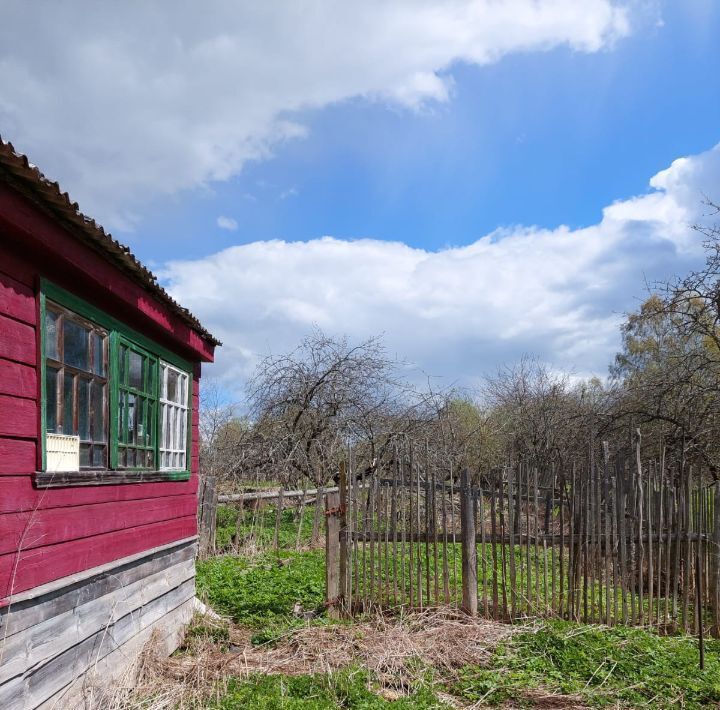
[274, 648]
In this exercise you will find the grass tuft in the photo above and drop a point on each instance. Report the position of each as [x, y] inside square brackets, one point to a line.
[351, 688]
[620, 665]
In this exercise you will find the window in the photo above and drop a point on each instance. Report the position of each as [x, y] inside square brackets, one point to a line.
[76, 383]
[173, 416]
[137, 407]
[125, 398]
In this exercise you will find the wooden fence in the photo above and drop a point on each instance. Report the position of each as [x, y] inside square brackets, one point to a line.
[616, 541]
[261, 520]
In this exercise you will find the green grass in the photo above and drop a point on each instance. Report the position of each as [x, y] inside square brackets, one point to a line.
[260, 527]
[261, 591]
[351, 689]
[606, 666]
[624, 666]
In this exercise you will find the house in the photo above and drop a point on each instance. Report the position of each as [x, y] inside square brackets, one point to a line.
[99, 378]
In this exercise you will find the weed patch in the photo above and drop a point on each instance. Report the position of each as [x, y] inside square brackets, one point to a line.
[264, 589]
[350, 689]
[604, 666]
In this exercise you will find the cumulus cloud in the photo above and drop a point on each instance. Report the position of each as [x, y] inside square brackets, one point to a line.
[227, 223]
[152, 97]
[459, 312]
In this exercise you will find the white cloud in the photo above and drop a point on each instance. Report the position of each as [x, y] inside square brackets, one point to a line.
[152, 97]
[227, 223]
[459, 312]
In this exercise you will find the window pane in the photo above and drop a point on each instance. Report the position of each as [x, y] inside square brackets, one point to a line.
[121, 363]
[151, 414]
[131, 419]
[68, 424]
[83, 408]
[121, 417]
[75, 344]
[131, 458]
[172, 386]
[98, 353]
[97, 406]
[51, 399]
[84, 455]
[135, 374]
[51, 349]
[99, 456]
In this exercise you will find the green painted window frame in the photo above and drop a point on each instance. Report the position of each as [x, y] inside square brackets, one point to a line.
[119, 334]
[147, 393]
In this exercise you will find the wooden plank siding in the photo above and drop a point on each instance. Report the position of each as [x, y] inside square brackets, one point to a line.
[31, 568]
[17, 456]
[40, 528]
[17, 341]
[48, 534]
[49, 641]
[18, 380]
[19, 417]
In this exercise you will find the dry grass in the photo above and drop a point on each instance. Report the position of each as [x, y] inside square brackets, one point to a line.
[397, 651]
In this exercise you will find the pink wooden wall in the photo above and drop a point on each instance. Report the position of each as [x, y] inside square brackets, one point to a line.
[48, 534]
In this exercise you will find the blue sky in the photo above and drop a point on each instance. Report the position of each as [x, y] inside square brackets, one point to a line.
[476, 180]
[536, 139]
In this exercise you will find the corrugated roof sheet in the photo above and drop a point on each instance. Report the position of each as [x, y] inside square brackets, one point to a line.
[25, 174]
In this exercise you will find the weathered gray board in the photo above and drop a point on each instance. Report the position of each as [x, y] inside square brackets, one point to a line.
[96, 620]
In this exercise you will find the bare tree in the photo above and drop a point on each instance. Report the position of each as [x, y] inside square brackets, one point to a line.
[310, 404]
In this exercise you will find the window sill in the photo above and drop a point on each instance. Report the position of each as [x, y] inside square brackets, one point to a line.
[105, 477]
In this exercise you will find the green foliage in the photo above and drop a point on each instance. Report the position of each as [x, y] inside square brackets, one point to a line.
[349, 689]
[225, 526]
[631, 667]
[263, 589]
[261, 526]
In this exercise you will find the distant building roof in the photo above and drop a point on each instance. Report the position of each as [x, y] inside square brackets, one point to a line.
[16, 169]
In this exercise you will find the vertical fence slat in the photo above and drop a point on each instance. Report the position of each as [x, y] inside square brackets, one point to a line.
[393, 531]
[372, 530]
[445, 564]
[453, 523]
[511, 551]
[483, 547]
[469, 547]
[418, 527]
[433, 516]
[607, 548]
[494, 533]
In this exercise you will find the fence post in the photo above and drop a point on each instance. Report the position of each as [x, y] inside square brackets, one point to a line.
[332, 554]
[344, 547]
[715, 556]
[207, 515]
[469, 548]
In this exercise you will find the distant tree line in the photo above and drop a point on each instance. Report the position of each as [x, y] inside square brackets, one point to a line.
[307, 408]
